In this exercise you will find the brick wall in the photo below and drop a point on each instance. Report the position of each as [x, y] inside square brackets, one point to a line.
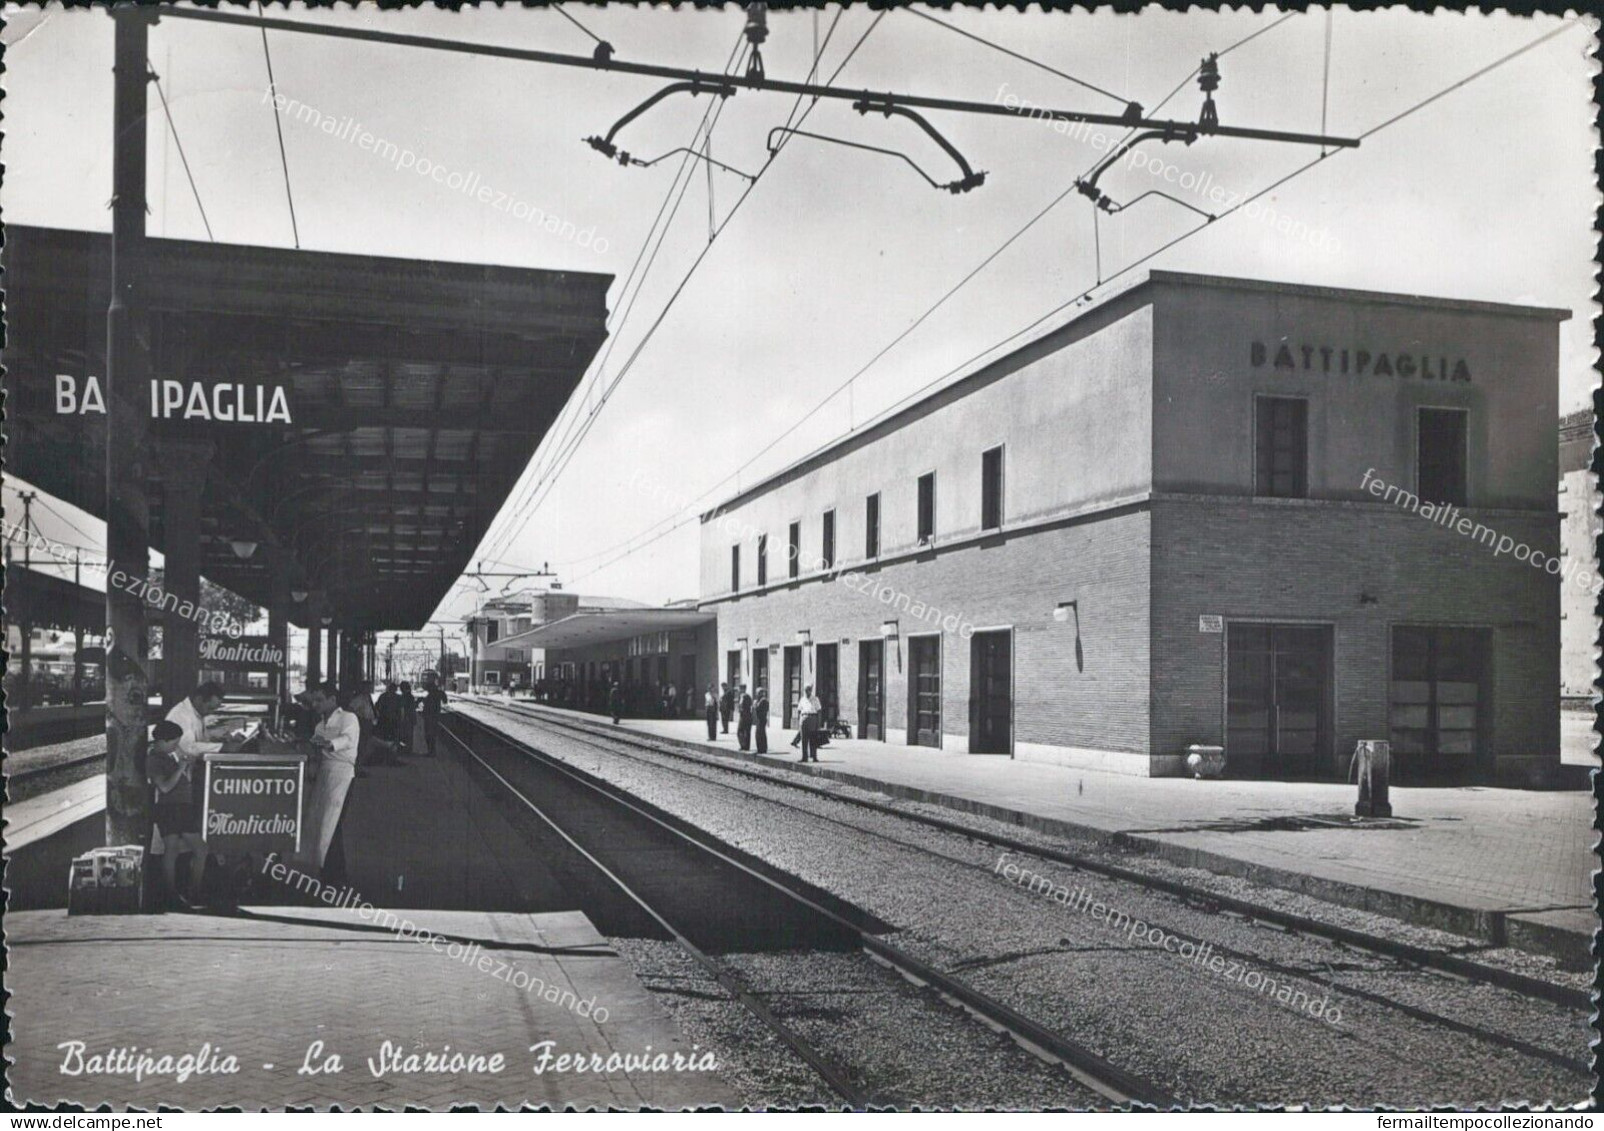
[1310, 562]
[1095, 704]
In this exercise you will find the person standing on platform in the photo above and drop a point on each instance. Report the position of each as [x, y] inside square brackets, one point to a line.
[760, 719]
[726, 706]
[409, 719]
[372, 749]
[743, 731]
[173, 777]
[809, 725]
[338, 738]
[710, 709]
[391, 720]
[615, 702]
[434, 700]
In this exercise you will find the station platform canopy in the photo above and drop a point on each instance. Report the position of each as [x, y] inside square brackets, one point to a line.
[608, 626]
[43, 600]
[354, 421]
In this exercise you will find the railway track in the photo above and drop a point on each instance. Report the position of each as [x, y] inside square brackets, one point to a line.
[1451, 968]
[1111, 1084]
[28, 781]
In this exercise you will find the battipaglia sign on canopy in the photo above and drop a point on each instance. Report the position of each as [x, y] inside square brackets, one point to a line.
[224, 402]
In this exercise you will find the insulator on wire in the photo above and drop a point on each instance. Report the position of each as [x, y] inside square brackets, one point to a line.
[757, 30]
[1208, 79]
[757, 24]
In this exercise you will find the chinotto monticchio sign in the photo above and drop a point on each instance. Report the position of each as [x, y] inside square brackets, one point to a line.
[222, 401]
[253, 803]
[251, 653]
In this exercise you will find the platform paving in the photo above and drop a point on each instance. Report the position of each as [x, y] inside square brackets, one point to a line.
[425, 843]
[266, 985]
[1502, 865]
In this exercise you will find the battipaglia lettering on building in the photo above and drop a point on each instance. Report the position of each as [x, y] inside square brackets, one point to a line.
[1358, 363]
[224, 401]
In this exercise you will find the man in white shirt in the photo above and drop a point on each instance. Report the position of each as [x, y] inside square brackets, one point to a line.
[190, 715]
[338, 736]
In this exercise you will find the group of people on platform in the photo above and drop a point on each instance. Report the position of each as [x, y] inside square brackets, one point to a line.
[639, 700]
[347, 730]
[750, 712]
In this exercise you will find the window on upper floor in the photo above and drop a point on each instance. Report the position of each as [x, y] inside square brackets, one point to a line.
[991, 488]
[794, 567]
[927, 507]
[827, 541]
[1281, 447]
[735, 569]
[762, 560]
[1440, 471]
[871, 526]
[492, 631]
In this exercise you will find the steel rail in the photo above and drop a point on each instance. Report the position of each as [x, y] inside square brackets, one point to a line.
[1442, 962]
[830, 1074]
[29, 772]
[1085, 1066]
[1525, 1048]
[750, 82]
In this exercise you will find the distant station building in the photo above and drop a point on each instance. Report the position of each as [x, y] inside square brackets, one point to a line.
[505, 654]
[1207, 511]
[1579, 503]
[644, 650]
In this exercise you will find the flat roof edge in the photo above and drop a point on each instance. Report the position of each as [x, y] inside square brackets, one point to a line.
[1133, 288]
[1351, 294]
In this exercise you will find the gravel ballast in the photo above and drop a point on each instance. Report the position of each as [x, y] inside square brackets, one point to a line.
[1191, 1029]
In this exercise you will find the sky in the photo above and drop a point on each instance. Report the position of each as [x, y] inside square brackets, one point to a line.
[1487, 193]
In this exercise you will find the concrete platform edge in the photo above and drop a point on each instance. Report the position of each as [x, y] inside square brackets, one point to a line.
[1493, 927]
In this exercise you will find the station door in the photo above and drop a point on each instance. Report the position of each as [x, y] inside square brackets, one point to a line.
[827, 679]
[793, 684]
[1437, 706]
[924, 691]
[872, 689]
[1278, 700]
[760, 672]
[991, 693]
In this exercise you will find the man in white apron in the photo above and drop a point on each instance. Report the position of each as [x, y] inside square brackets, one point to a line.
[338, 736]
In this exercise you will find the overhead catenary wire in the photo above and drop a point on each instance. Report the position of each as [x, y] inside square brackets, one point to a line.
[676, 194]
[1084, 296]
[278, 126]
[557, 437]
[684, 281]
[561, 11]
[1325, 80]
[179, 144]
[849, 383]
[663, 314]
[1016, 55]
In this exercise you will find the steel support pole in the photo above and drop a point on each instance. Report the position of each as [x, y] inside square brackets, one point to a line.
[127, 510]
[183, 469]
[314, 651]
[278, 631]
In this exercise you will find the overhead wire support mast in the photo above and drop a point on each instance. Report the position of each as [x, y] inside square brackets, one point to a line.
[750, 81]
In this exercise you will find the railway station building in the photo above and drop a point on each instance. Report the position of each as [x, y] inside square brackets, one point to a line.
[1274, 518]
